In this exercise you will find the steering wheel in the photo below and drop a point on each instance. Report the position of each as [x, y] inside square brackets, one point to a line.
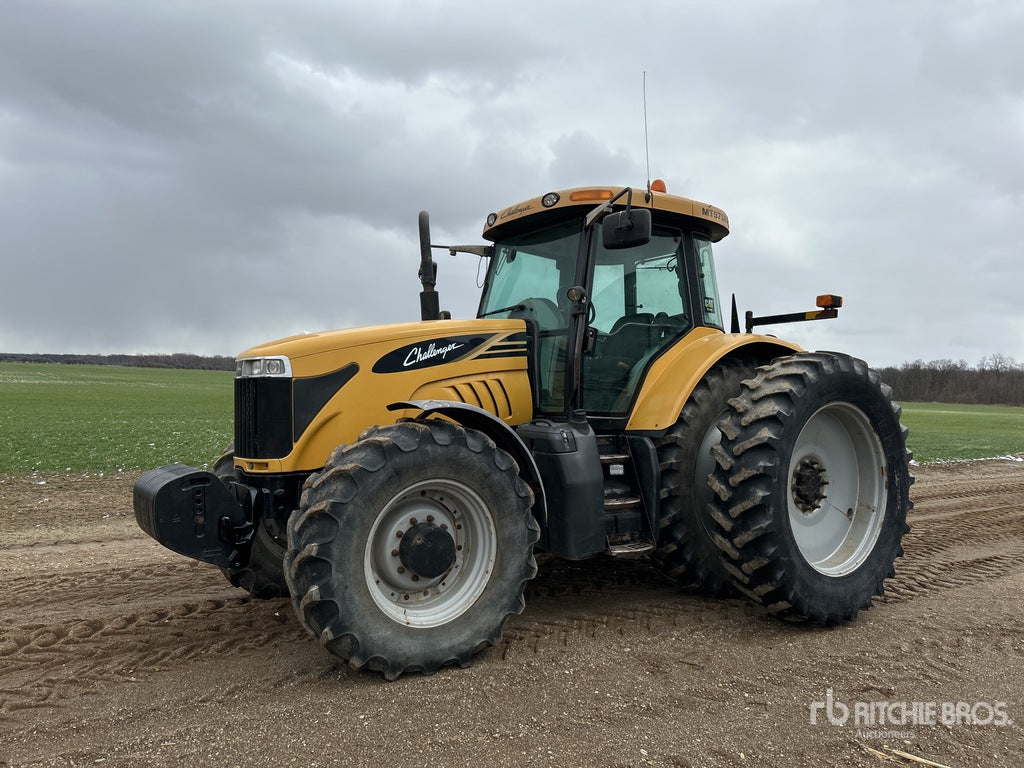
[544, 312]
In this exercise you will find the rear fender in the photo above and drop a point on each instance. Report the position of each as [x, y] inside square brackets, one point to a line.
[671, 379]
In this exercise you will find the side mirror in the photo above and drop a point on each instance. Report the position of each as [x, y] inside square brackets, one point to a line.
[626, 229]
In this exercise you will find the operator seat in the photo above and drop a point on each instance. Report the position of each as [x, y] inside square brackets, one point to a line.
[607, 374]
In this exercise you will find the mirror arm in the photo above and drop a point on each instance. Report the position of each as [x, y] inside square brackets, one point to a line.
[485, 251]
[606, 207]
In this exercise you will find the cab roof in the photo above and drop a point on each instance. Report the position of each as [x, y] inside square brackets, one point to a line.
[665, 208]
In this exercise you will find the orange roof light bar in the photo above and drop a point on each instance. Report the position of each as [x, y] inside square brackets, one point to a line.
[658, 186]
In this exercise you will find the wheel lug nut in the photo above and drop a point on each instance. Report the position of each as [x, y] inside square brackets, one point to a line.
[394, 553]
[401, 569]
[415, 577]
[430, 518]
[412, 521]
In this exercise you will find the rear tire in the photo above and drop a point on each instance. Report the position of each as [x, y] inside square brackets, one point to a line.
[686, 550]
[411, 548]
[263, 576]
[812, 487]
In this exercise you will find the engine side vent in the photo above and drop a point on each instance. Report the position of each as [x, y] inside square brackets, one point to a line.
[489, 394]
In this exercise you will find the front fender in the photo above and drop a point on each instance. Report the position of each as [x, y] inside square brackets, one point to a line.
[502, 434]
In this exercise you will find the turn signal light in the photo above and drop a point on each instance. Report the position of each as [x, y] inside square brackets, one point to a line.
[828, 301]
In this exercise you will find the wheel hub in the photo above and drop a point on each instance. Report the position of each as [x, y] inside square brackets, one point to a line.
[427, 550]
[808, 486]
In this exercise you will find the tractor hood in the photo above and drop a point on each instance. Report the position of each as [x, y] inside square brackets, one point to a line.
[389, 348]
[299, 398]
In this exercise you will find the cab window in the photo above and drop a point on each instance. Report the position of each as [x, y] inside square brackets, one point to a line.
[712, 307]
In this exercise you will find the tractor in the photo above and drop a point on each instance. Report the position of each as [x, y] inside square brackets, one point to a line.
[397, 481]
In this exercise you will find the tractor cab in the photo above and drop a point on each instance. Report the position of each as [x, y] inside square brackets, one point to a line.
[600, 306]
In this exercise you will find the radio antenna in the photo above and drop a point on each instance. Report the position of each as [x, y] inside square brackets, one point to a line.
[647, 147]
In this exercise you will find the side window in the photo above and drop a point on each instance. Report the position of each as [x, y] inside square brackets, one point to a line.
[708, 285]
[608, 295]
[658, 289]
[646, 280]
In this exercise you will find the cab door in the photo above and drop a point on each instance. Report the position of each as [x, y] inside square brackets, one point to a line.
[641, 302]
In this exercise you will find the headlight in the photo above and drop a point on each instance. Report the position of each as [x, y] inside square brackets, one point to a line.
[262, 366]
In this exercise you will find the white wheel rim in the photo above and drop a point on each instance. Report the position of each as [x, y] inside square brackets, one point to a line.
[704, 466]
[837, 491]
[420, 602]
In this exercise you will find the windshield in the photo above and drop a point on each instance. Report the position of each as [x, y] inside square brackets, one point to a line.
[536, 266]
[527, 279]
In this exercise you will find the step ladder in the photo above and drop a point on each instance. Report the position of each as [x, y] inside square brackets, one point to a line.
[623, 506]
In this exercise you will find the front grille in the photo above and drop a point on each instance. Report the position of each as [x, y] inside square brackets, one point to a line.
[263, 418]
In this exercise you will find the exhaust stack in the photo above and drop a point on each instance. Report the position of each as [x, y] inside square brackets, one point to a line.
[430, 304]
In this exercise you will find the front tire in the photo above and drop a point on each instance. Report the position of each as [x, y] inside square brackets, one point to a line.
[411, 548]
[812, 487]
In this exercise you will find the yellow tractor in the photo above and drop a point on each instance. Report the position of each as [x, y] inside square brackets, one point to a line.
[396, 481]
